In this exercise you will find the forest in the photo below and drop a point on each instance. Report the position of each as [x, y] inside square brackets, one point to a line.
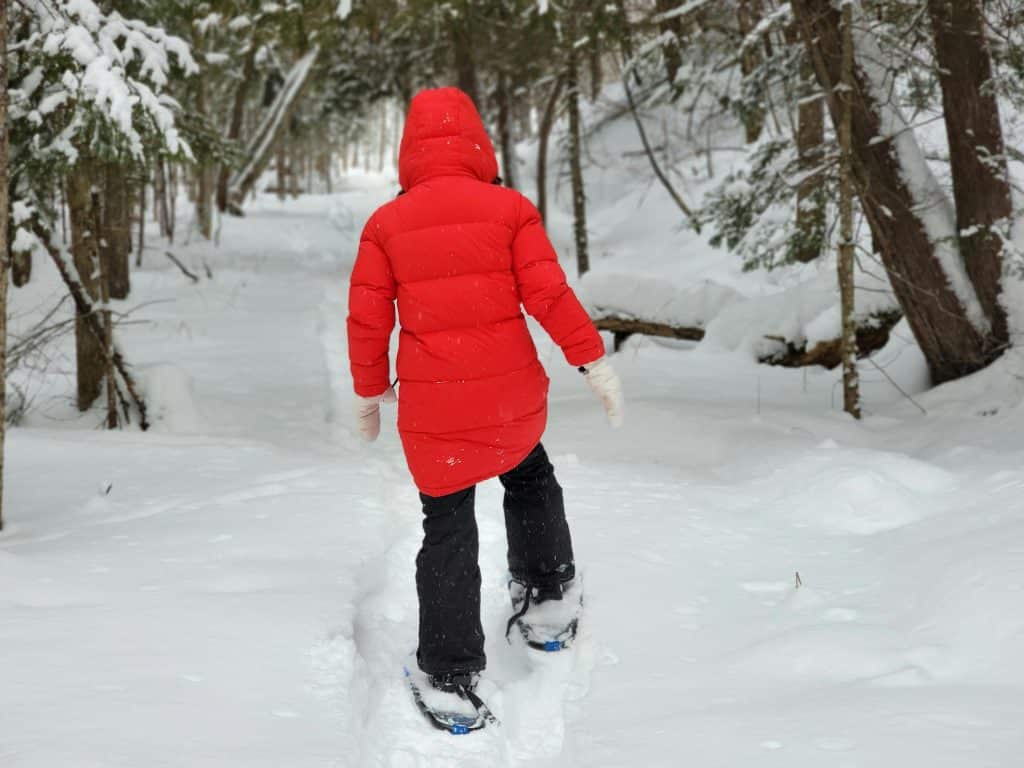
[754, 199]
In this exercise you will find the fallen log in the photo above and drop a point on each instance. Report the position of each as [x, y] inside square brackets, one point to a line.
[872, 335]
[624, 327]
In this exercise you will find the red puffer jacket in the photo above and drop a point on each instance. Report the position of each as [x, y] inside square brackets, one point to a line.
[461, 256]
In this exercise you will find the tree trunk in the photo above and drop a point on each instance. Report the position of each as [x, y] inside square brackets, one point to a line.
[275, 122]
[594, 60]
[981, 188]
[142, 222]
[810, 192]
[282, 170]
[579, 200]
[933, 296]
[383, 145]
[547, 121]
[89, 351]
[21, 268]
[172, 200]
[748, 17]
[103, 280]
[4, 263]
[204, 188]
[115, 232]
[673, 27]
[505, 140]
[848, 334]
[160, 198]
[463, 46]
[237, 121]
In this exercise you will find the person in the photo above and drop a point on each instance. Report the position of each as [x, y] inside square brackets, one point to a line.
[462, 255]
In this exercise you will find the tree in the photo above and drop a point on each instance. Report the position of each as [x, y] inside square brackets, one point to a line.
[981, 188]
[912, 221]
[848, 333]
[4, 259]
[572, 86]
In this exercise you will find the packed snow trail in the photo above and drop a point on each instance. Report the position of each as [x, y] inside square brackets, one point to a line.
[236, 587]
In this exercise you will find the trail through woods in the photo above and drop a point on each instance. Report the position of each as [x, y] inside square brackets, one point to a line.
[236, 586]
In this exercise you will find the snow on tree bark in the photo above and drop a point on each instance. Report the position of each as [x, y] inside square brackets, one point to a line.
[912, 221]
[977, 156]
[89, 351]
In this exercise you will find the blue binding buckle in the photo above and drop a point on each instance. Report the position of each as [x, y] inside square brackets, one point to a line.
[459, 730]
[553, 645]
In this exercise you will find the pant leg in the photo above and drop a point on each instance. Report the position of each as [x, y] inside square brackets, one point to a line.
[539, 544]
[451, 638]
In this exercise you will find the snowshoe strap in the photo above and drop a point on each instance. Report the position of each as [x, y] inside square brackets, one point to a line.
[520, 613]
[478, 704]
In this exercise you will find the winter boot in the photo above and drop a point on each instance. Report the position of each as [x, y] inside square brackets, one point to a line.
[449, 701]
[547, 616]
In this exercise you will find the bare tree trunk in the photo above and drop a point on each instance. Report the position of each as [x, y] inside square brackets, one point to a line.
[172, 197]
[810, 192]
[115, 233]
[547, 121]
[160, 197]
[579, 200]
[951, 342]
[204, 188]
[103, 280]
[505, 141]
[142, 222]
[383, 145]
[848, 338]
[463, 46]
[748, 16]
[237, 120]
[977, 156]
[594, 60]
[294, 168]
[4, 263]
[282, 170]
[90, 353]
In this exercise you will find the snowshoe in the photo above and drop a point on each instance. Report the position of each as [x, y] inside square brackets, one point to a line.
[449, 702]
[547, 618]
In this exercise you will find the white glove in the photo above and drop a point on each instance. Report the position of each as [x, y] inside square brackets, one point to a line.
[606, 385]
[368, 413]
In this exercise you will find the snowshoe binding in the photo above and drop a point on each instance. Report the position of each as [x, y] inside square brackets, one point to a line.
[547, 617]
[450, 702]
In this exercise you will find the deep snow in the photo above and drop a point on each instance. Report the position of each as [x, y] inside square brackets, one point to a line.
[244, 595]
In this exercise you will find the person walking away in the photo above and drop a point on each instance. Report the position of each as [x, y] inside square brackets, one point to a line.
[462, 256]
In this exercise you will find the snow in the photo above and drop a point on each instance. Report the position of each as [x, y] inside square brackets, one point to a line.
[235, 587]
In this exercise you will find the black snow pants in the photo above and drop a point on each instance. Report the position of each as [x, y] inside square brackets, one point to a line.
[451, 638]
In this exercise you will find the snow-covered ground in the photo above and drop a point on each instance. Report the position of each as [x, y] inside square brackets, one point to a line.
[236, 586]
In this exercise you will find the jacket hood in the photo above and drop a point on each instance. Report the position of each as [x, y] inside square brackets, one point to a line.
[444, 136]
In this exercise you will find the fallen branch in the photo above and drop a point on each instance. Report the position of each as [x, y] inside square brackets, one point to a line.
[174, 260]
[90, 316]
[872, 335]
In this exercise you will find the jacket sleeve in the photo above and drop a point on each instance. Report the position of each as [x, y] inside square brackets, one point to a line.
[544, 292]
[371, 315]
